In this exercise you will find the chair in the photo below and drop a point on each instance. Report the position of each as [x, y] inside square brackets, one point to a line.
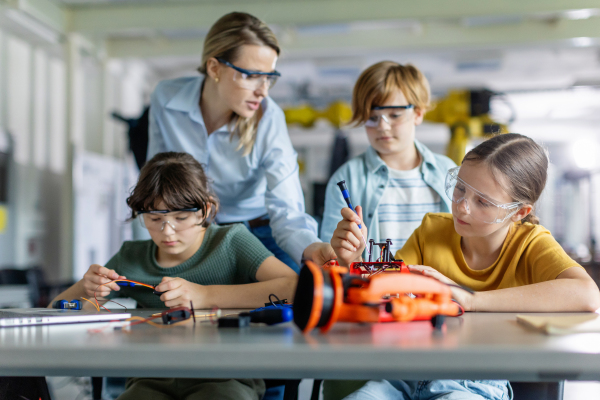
[538, 390]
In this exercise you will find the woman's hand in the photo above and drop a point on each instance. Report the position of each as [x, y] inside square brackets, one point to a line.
[463, 297]
[319, 253]
[347, 240]
[179, 293]
[97, 275]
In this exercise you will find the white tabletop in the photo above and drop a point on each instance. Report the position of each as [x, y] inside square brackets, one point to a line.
[474, 346]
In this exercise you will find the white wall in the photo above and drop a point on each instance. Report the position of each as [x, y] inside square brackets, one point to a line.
[54, 98]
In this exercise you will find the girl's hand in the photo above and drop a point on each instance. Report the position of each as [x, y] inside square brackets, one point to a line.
[180, 292]
[347, 241]
[464, 298]
[97, 275]
[319, 252]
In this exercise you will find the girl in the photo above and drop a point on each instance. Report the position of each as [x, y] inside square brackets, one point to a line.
[189, 259]
[398, 180]
[226, 120]
[491, 243]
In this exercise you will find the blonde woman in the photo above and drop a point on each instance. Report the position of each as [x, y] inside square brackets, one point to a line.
[226, 120]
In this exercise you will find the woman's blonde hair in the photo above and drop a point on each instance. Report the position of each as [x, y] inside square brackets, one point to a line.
[378, 82]
[224, 40]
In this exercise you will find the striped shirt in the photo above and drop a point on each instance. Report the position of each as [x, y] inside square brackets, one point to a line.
[404, 203]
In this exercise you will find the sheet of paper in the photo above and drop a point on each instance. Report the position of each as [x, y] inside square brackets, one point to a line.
[562, 324]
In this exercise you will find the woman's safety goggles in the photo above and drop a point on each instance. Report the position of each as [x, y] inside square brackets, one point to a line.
[251, 80]
[478, 205]
[392, 115]
[178, 220]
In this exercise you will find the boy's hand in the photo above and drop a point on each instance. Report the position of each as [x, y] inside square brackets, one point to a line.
[180, 292]
[347, 241]
[95, 276]
[463, 297]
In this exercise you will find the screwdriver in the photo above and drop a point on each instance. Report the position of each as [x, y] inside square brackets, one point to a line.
[346, 195]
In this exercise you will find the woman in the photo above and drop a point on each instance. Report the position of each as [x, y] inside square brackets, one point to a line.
[226, 120]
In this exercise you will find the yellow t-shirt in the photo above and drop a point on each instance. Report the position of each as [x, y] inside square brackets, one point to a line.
[529, 255]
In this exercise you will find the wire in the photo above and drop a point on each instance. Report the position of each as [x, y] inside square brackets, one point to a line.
[92, 303]
[118, 280]
[112, 301]
[460, 308]
[274, 295]
[466, 289]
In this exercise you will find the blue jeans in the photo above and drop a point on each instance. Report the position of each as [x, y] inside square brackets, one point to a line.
[429, 390]
[264, 234]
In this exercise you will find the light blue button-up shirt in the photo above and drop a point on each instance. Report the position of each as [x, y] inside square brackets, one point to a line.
[367, 177]
[264, 181]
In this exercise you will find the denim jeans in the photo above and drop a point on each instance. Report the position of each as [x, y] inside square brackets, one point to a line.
[429, 390]
[264, 234]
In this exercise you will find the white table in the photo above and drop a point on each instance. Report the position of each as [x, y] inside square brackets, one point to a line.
[475, 346]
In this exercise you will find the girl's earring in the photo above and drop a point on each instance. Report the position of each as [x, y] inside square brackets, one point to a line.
[217, 80]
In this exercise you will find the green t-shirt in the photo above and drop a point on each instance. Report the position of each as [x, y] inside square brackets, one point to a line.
[229, 255]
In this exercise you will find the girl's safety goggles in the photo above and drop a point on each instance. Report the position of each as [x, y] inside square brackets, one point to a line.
[392, 115]
[252, 80]
[178, 220]
[478, 205]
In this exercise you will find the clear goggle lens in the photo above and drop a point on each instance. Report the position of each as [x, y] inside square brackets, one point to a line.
[177, 220]
[254, 82]
[478, 205]
[392, 116]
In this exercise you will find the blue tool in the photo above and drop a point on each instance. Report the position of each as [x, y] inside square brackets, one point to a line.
[344, 189]
[272, 315]
[121, 283]
[67, 305]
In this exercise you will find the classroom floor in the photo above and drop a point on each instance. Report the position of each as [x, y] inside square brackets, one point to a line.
[69, 388]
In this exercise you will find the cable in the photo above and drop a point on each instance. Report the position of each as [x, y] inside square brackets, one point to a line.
[112, 301]
[274, 295]
[118, 280]
[466, 289]
[92, 303]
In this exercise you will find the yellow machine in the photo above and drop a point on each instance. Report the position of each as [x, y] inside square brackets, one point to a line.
[338, 113]
[467, 114]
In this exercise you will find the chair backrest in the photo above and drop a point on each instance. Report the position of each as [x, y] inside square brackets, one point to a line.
[33, 277]
[538, 390]
[13, 276]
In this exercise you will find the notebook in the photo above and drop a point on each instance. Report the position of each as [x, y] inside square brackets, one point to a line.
[562, 324]
[49, 316]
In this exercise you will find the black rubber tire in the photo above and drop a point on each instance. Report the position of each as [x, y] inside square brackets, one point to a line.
[438, 321]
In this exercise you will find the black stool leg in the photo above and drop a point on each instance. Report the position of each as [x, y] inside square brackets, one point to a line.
[96, 387]
[291, 389]
[316, 389]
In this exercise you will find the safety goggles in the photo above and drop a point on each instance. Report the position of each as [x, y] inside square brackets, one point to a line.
[178, 220]
[251, 80]
[392, 115]
[478, 205]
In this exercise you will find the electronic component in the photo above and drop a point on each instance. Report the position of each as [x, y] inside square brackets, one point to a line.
[240, 321]
[385, 263]
[175, 315]
[67, 305]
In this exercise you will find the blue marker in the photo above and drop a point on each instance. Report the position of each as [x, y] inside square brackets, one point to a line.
[344, 189]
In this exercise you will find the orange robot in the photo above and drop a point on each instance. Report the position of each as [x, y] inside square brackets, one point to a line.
[330, 294]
